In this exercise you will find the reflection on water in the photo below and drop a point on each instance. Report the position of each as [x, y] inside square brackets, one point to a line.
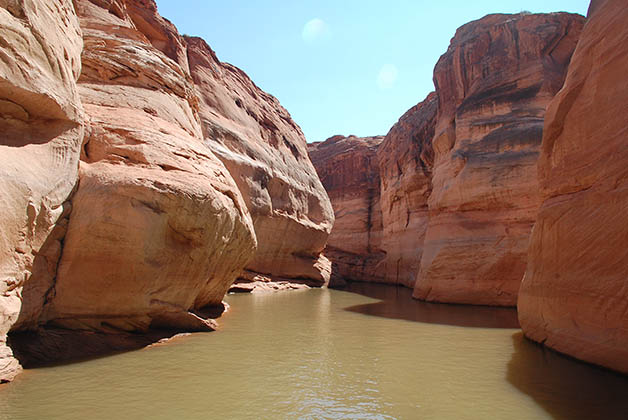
[397, 303]
[302, 355]
[566, 388]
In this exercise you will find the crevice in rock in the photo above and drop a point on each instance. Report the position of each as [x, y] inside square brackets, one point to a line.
[51, 292]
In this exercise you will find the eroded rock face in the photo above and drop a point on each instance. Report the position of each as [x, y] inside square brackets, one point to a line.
[251, 282]
[573, 297]
[41, 128]
[349, 170]
[406, 160]
[493, 84]
[158, 229]
[266, 153]
[459, 193]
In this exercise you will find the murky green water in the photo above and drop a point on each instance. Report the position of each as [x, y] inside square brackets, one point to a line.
[324, 354]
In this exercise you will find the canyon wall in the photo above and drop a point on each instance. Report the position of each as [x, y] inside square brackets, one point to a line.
[158, 229]
[493, 83]
[573, 297]
[41, 126]
[349, 170]
[406, 159]
[139, 176]
[459, 192]
[266, 153]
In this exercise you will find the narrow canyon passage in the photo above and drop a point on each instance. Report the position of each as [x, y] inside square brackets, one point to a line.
[369, 352]
[461, 255]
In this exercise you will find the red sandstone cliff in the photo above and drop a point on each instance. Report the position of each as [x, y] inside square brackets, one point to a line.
[459, 192]
[266, 154]
[574, 297]
[493, 84]
[406, 159]
[41, 126]
[349, 170]
[186, 166]
[158, 227]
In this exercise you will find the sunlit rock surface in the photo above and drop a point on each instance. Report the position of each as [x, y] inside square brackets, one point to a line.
[574, 296]
[459, 192]
[158, 226]
[41, 128]
[266, 153]
[493, 84]
[158, 229]
[349, 170]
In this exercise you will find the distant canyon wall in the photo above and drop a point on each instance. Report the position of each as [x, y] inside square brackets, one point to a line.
[349, 170]
[458, 188]
[140, 175]
[406, 162]
[520, 173]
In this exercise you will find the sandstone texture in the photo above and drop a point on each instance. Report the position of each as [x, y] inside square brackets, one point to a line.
[266, 154]
[406, 159]
[158, 229]
[349, 170]
[493, 84]
[41, 129]
[458, 190]
[139, 174]
[251, 282]
[574, 296]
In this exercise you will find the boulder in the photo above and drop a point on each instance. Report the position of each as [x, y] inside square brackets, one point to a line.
[158, 229]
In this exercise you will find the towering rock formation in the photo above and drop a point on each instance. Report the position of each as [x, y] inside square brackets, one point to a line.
[574, 296]
[493, 84]
[157, 229]
[349, 170]
[266, 153]
[41, 129]
[406, 159]
[459, 192]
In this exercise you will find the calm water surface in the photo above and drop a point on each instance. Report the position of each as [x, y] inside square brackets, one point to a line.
[325, 354]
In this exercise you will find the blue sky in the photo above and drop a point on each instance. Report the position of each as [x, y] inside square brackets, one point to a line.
[340, 66]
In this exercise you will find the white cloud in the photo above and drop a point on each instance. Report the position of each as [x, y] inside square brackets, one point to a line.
[316, 31]
[387, 76]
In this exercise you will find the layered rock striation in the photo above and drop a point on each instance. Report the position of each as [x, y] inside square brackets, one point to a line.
[266, 154]
[41, 126]
[573, 297]
[349, 170]
[139, 176]
[493, 84]
[158, 229]
[459, 192]
[406, 160]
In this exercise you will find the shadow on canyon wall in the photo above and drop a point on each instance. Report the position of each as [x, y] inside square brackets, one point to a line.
[566, 388]
[397, 303]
